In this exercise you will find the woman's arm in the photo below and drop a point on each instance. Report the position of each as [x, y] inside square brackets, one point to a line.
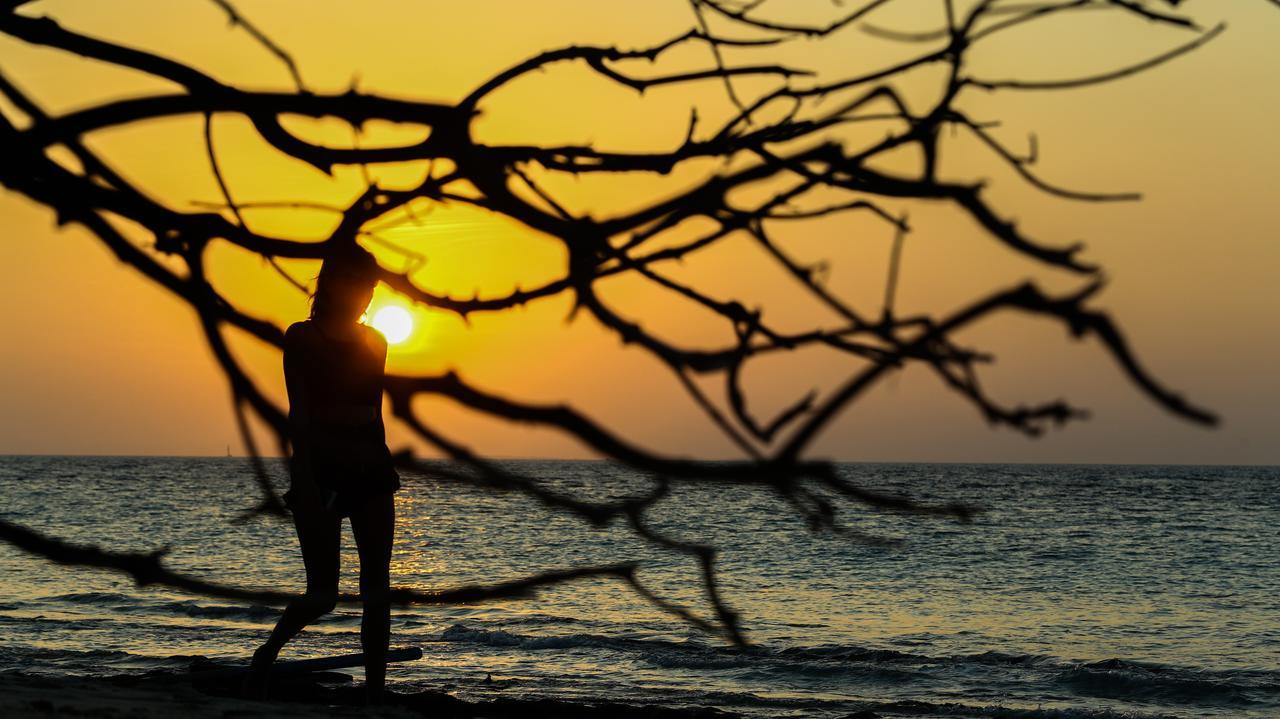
[381, 349]
[380, 346]
[295, 352]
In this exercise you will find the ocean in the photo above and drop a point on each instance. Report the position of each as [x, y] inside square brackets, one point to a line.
[1080, 591]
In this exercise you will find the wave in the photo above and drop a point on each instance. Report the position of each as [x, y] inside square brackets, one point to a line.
[82, 662]
[997, 711]
[692, 654]
[1111, 679]
[127, 604]
[42, 653]
[727, 702]
[1117, 678]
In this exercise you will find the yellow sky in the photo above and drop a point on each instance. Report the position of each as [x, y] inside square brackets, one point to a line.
[96, 360]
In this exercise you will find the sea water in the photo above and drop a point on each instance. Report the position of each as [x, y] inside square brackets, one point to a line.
[1079, 591]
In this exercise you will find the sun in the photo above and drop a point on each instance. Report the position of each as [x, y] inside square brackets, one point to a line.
[394, 322]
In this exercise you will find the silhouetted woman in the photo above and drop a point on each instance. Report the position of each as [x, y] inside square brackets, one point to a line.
[340, 467]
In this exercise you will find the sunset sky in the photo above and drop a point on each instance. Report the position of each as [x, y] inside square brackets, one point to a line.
[97, 360]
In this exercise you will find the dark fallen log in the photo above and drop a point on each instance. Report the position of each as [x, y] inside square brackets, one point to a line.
[304, 666]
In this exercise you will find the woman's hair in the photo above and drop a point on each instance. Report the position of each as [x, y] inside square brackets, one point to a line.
[350, 261]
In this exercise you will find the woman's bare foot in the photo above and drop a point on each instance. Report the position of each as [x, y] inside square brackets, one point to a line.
[374, 695]
[257, 681]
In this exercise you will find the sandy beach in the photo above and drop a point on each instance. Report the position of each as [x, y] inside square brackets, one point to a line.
[27, 696]
[163, 694]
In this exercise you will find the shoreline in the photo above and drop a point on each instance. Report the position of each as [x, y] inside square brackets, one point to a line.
[590, 460]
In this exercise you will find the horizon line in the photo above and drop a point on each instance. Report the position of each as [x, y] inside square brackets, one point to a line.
[606, 459]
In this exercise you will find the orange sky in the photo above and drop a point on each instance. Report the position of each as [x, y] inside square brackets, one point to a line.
[97, 361]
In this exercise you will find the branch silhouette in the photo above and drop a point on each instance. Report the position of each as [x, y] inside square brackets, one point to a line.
[778, 138]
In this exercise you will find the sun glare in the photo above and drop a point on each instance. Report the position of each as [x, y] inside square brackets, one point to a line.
[394, 322]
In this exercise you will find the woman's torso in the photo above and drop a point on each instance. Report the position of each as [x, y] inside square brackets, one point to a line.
[343, 381]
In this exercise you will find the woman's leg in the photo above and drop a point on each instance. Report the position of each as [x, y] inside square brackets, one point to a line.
[318, 537]
[374, 527]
